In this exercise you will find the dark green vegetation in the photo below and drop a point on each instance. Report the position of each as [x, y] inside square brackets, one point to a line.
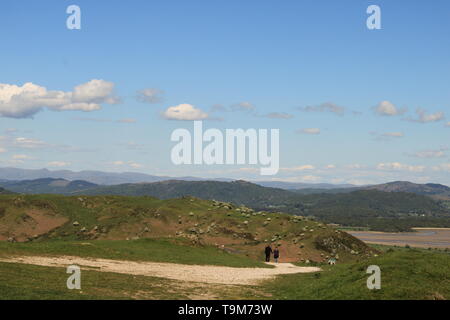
[377, 210]
[47, 185]
[4, 191]
[406, 274]
[396, 206]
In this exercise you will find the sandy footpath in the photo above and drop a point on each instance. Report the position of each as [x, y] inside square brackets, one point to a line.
[195, 273]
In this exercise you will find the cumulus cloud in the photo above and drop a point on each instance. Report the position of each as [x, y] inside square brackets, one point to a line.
[243, 106]
[428, 154]
[355, 166]
[28, 143]
[309, 131]
[279, 115]
[386, 136]
[58, 164]
[442, 167]
[423, 117]
[127, 120]
[150, 95]
[21, 157]
[131, 164]
[27, 100]
[399, 166]
[324, 107]
[184, 112]
[393, 134]
[299, 168]
[386, 108]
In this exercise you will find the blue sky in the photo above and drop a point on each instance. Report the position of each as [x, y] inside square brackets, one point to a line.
[378, 101]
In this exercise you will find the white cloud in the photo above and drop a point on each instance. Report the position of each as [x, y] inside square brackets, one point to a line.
[21, 157]
[130, 164]
[309, 131]
[135, 165]
[184, 112]
[28, 143]
[243, 106]
[150, 95]
[27, 100]
[423, 117]
[299, 168]
[386, 108]
[310, 178]
[128, 120]
[330, 166]
[447, 124]
[399, 166]
[442, 167]
[324, 107]
[430, 153]
[355, 166]
[58, 164]
[279, 115]
[2, 150]
[393, 134]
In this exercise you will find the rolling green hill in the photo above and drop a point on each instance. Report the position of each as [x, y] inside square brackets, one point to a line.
[35, 218]
[378, 210]
[388, 209]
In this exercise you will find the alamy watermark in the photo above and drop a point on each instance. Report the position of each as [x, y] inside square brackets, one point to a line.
[374, 281]
[228, 148]
[74, 281]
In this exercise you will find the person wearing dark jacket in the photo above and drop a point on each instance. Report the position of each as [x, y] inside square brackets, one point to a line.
[268, 251]
[276, 254]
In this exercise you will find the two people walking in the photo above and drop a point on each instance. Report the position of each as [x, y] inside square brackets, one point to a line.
[268, 251]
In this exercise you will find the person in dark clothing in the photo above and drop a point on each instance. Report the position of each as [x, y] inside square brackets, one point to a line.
[268, 251]
[276, 254]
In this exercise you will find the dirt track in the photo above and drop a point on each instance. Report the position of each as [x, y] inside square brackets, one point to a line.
[195, 273]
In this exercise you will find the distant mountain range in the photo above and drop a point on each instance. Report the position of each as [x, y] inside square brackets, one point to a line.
[114, 178]
[66, 182]
[97, 177]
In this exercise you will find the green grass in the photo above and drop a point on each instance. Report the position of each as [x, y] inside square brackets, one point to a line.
[405, 274]
[158, 250]
[28, 282]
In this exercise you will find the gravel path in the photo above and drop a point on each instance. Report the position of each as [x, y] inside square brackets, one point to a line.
[195, 273]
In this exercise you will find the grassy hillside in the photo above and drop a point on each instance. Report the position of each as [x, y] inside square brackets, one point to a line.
[36, 218]
[386, 210]
[156, 250]
[238, 192]
[406, 274]
[377, 210]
